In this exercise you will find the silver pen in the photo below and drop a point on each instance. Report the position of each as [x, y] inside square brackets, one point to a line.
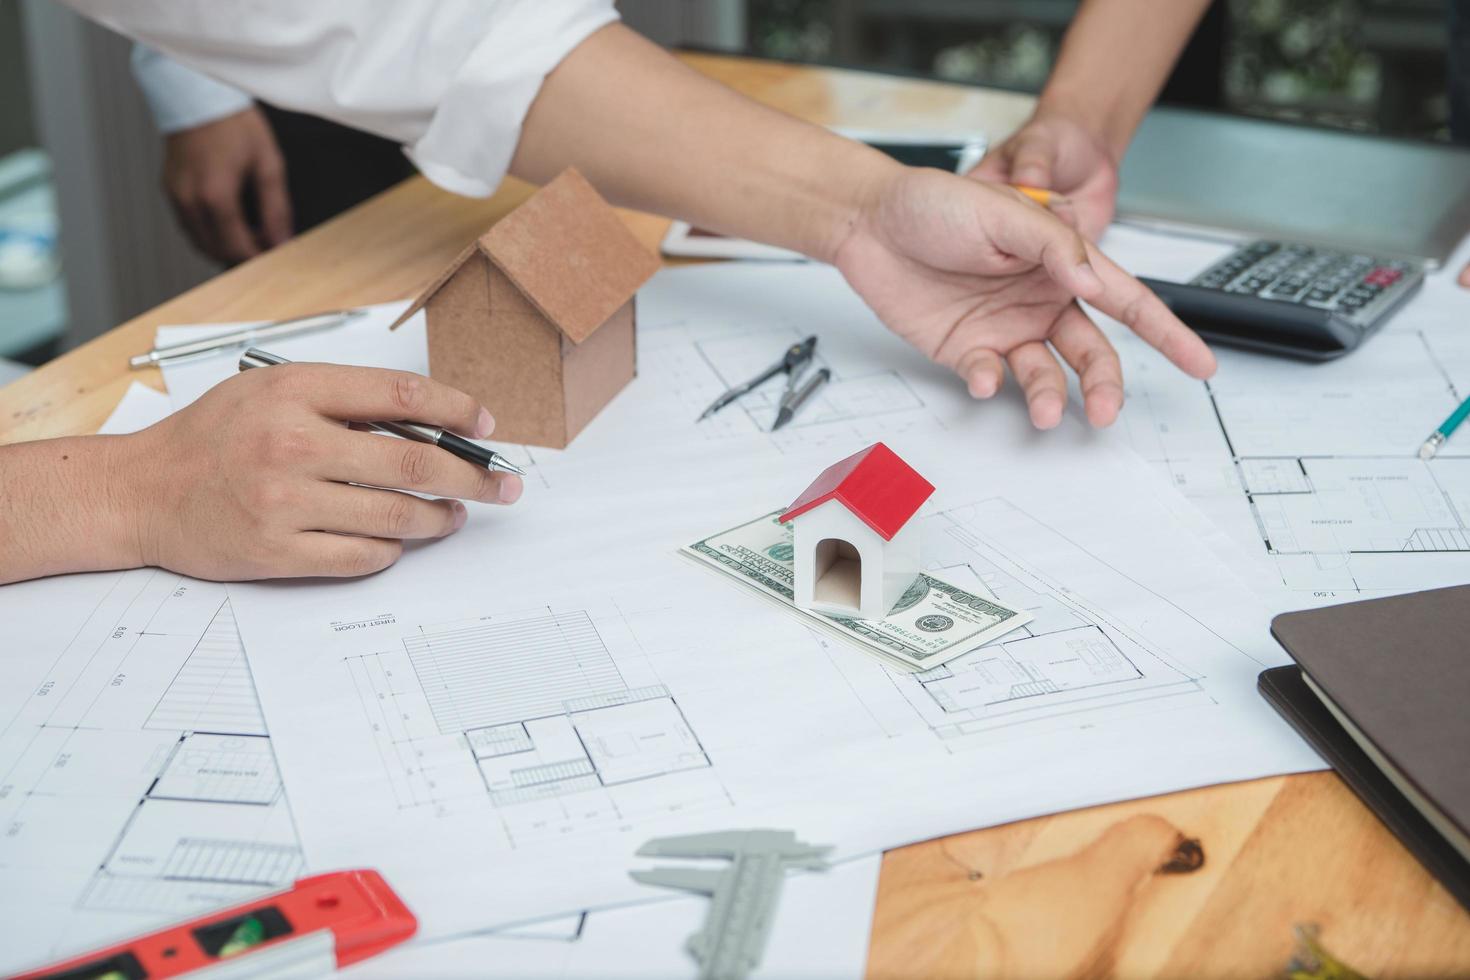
[457, 445]
[245, 336]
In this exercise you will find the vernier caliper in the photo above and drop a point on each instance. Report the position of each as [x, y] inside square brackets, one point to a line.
[743, 897]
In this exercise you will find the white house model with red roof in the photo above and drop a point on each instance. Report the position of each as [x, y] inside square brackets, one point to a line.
[856, 551]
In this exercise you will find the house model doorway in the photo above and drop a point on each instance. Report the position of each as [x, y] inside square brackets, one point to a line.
[855, 549]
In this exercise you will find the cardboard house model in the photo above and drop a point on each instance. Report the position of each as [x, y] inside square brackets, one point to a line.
[535, 318]
[856, 550]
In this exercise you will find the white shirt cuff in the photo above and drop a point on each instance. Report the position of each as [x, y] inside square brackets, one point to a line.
[180, 97]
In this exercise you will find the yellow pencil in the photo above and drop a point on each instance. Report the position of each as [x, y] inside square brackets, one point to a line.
[1042, 196]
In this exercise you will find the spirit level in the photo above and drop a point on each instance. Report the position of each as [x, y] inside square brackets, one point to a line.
[320, 924]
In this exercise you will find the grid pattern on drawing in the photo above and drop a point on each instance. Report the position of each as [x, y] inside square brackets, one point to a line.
[213, 691]
[497, 673]
[239, 862]
[179, 898]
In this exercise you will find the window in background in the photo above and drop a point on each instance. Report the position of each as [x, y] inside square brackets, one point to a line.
[32, 296]
[1368, 65]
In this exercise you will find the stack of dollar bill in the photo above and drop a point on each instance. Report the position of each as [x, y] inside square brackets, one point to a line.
[933, 623]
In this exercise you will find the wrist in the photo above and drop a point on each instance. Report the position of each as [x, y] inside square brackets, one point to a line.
[1104, 122]
[866, 172]
[122, 503]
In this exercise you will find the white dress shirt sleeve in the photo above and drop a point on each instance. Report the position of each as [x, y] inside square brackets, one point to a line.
[178, 96]
[452, 80]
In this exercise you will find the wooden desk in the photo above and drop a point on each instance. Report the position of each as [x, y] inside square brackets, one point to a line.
[1078, 894]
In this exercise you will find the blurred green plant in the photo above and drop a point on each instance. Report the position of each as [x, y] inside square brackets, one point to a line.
[792, 30]
[1302, 58]
[1019, 57]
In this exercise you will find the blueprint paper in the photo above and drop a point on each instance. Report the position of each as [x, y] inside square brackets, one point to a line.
[136, 782]
[138, 794]
[504, 716]
[1313, 469]
[821, 933]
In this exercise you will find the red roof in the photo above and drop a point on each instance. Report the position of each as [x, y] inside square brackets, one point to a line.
[881, 489]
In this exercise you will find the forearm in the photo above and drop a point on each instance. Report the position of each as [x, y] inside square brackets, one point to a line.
[655, 135]
[1114, 60]
[66, 506]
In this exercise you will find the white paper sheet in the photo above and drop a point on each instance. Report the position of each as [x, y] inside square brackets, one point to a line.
[139, 787]
[821, 932]
[136, 782]
[1312, 469]
[364, 341]
[502, 718]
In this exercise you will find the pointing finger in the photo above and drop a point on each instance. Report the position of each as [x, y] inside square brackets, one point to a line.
[1134, 305]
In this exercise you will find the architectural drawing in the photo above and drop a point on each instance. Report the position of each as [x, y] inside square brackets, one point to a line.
[530, 711]
[1315, 471]
[1073, 665]
[138, 785]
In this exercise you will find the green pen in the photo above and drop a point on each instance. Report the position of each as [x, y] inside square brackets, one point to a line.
[1439, 435]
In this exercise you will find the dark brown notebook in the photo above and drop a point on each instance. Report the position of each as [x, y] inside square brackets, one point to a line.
[1395, 674]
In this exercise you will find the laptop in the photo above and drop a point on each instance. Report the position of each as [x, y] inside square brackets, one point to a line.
[1205, 172]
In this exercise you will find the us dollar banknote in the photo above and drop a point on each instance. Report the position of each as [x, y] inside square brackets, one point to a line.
[935, 621]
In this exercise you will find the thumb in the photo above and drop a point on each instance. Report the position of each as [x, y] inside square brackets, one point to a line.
[1033, 159]
[1465, 276]
[1034, 234]
[994, 166]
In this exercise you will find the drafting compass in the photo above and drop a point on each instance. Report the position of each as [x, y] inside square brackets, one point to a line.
[793, 363]
[743, 896]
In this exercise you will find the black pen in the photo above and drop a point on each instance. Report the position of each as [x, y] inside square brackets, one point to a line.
[432, 434]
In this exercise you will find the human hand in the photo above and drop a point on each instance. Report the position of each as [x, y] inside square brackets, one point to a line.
[206, 172]
[263, 478]
[978, 278]
[1059, 153]
[1464, 279]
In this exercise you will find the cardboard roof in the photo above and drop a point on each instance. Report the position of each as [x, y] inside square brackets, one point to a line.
[568, 251]
[876, 485]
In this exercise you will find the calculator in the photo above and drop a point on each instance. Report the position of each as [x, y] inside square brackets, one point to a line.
[1295, 300]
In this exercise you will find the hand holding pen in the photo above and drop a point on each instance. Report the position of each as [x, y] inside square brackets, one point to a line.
[263, 477]
[416, 431]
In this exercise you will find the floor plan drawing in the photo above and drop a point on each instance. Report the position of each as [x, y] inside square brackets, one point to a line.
[1315, 470]
[1312, 468]
[1073, 665]
[137, 782]
[531, 712]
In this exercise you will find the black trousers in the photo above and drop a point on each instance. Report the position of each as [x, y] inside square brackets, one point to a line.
[330, 167]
